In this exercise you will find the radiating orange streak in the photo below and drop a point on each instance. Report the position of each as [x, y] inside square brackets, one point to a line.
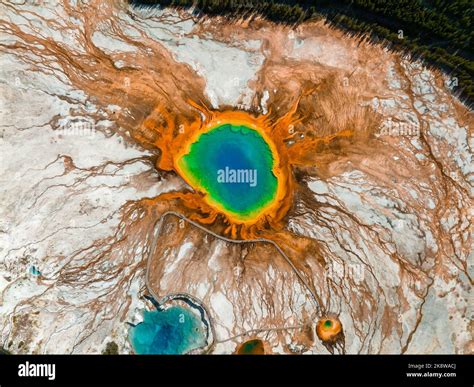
[300, 152]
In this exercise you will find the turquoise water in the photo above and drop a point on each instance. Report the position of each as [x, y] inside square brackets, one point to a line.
[175, 330]
[35, 271]
[234, 166]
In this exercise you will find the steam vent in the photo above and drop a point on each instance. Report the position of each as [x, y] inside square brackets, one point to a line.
[177, 181]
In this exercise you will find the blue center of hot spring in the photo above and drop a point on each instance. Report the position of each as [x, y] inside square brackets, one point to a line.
[175, 330]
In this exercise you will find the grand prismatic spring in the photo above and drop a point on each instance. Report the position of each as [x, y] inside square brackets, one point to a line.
[233, 165]
[309, 190]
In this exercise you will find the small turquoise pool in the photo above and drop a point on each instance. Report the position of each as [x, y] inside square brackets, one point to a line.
[34, 271]
[175, 330]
